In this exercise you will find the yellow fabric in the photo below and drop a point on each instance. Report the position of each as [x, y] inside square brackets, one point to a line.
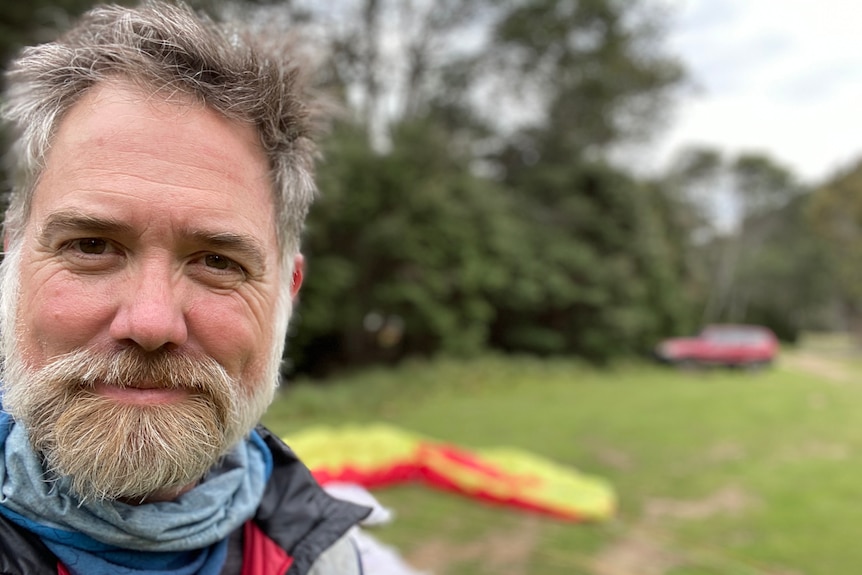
[361, 447]
[561, 488]
[505, 475]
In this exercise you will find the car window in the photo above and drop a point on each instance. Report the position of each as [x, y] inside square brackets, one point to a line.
[734, 336]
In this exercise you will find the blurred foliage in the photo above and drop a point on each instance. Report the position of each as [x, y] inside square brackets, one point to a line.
[457, 235]
[786, 280]
[34, 21]
[766, 264]
[601, 276]
[403, 250]
[470, 200]
[595, 66]
[835, 212]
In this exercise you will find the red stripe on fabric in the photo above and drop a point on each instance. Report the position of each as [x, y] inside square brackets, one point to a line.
[261, 555]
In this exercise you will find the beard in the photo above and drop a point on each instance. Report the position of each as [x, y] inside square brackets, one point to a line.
[114, 450]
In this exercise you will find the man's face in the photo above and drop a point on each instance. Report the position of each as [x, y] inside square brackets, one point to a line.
[152, 233]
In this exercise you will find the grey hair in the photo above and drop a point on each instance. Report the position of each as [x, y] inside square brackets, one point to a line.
[166, 49]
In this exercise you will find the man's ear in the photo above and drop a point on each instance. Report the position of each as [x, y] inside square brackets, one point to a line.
[298, 271]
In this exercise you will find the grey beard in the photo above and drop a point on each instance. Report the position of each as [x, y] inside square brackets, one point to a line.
[111, 450]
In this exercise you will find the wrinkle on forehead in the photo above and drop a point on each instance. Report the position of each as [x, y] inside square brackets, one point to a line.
[100, 120]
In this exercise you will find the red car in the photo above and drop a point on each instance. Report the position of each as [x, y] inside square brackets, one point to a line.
[728, 345]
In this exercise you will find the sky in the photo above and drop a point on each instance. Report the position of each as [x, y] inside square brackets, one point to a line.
[779, 77]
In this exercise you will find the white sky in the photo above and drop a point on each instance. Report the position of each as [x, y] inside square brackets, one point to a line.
[777, 76]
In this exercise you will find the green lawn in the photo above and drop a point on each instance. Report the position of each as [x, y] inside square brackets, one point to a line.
[717, 472]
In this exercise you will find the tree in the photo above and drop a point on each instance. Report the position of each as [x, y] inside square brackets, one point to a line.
[404, 250]
[835, 213]
[594, 70]
[786, 282]
[600, 274]
[604, 277]
[35, 21]
[747, 213]
[388, 60]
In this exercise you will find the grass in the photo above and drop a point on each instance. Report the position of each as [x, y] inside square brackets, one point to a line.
[722, 472]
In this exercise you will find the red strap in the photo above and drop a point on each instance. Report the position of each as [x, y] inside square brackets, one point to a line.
[261, 555]
[61, 569]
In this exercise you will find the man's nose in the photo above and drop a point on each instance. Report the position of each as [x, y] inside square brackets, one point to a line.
[150, 313]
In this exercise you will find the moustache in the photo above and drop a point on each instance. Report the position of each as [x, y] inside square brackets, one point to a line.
[133, 368]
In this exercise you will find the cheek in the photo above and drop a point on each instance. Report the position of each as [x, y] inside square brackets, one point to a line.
[60, 316]
[234, 333]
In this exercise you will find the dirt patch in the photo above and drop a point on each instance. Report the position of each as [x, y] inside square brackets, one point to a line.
[641, 551]
[646, 548]
[824, 451]
[504, 552]
[819, 365]
[614, 458]
[726, 501]
[725, 452]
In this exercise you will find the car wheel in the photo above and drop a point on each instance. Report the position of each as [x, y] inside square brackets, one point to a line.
[686, 363]
[755, 366]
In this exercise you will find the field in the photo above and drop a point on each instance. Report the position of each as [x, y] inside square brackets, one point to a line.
[717, 472]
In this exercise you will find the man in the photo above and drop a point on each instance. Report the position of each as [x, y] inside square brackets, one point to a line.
[163, 170]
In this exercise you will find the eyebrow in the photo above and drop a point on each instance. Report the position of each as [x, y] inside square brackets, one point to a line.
[247, 248]
[70, 220]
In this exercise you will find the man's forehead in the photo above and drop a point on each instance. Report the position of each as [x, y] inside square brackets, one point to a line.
[120, 116]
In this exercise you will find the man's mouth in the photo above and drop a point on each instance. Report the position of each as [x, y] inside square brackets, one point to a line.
[143, 393]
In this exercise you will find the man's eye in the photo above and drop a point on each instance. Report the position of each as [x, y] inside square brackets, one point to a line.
[218, 269]
[92, 246]
[218, 262]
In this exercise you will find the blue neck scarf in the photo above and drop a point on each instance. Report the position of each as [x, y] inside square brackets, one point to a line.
[186, 536]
